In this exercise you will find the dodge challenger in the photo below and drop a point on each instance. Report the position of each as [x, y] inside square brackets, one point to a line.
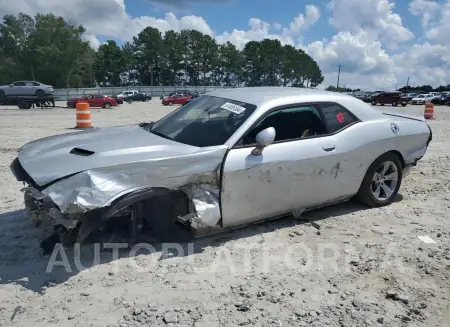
[228, 159]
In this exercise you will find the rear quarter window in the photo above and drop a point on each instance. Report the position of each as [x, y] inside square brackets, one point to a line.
[336, 117]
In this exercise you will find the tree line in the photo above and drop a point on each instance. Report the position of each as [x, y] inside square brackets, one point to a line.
[51, 50]
[425, 88]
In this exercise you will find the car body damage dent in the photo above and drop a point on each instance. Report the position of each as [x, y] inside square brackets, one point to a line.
[336, 170]
[205, 200]
[97, 188]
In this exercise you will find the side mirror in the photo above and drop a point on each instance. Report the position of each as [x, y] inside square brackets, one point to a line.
[264, 139]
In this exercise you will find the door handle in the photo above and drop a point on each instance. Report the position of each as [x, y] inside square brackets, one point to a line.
[329, 147]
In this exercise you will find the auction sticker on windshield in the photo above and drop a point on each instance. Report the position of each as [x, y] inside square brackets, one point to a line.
[234, 108]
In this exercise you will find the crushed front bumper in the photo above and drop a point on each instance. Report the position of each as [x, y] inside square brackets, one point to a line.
[43, 211]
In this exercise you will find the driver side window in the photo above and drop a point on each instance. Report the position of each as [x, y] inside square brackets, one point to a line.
[290, 124]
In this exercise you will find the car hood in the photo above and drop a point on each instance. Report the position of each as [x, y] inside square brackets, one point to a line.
[55, 157]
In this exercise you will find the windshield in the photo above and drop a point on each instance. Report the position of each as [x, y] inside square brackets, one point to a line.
[421, 96]
[205, 121]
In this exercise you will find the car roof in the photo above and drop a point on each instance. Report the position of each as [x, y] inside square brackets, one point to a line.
[269, 97]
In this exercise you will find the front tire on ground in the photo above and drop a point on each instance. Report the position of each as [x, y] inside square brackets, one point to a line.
[2, 95]
[382, 181]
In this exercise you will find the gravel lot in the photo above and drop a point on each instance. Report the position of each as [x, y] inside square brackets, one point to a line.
[340, 266]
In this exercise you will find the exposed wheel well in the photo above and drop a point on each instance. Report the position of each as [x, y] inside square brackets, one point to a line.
[158, 206]
[399, 155]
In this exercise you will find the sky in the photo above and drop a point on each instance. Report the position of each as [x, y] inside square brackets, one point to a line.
[379, 44]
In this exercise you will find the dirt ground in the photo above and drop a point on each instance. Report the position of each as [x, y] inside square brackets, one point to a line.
[344, 265]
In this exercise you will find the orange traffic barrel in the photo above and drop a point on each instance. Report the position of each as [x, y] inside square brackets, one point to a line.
[83, 115]
[429, 111]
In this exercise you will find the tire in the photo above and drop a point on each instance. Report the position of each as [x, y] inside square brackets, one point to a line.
[394, 104]
[24, 105]
[374, 103]
[40, 93]
[403, 104]
[2, 95]
[170, 103]
[107, 105]
[367, 190]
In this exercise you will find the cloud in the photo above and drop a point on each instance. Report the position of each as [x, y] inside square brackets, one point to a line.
[374, 17]
[364, 44]
[105, 17]
[260, 30]
[357, 55]
[425, 63]
[440, 33]
[425, 9]
[184, 3]
[93, 41]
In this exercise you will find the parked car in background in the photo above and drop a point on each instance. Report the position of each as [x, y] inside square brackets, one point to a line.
[422, 98]
[196, 95]
[95, 100]
[137, 97]
[187, 92]
[410, 96]
[183, 92]
[392, 98]
[127, 93]
[118, 99]
[221, 162]
[176, 99]
[442, 99]
[26, 89]
[367, 97]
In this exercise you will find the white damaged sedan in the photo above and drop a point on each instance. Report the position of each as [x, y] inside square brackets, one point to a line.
[225, 160]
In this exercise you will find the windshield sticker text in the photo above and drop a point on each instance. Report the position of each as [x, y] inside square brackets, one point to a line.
[234, 108]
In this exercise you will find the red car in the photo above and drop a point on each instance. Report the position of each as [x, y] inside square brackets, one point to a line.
[176, 99]
[95, 100]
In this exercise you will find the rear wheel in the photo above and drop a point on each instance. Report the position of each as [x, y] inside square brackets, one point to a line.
[382, 181]
[107, 105]
[394, 104]
[24, 104]
[374, 103]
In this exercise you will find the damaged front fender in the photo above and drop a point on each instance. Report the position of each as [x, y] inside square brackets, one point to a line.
[196, 175]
